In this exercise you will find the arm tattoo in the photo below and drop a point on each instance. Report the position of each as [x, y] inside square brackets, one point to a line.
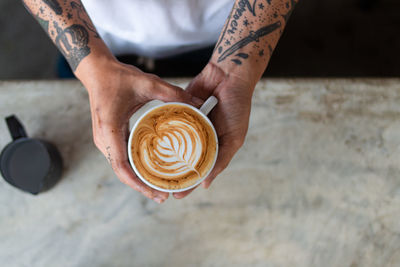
[43, 23]
[242, 55]
[244, 17]
[223, 32]
[54, 5]
[73, 43]
[236, 14]
[287, 15]
[81, 9]
[252, 37]
[251, 7]
[69, 28]
[237, 61]
[239, 10]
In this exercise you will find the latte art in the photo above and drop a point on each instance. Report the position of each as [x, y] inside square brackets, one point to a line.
[173, 147]
[176, 143]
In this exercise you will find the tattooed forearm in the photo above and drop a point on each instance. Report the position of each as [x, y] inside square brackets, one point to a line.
[69, 26]
[236, 13]
[223, 32]
[252, 37]
[239, 10]
[54, 5]
[291, 8]
[252, 30]
[73, 43]
[43, 23]
[81, 12]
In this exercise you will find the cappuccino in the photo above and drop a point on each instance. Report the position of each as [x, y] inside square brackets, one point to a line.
[173, 146]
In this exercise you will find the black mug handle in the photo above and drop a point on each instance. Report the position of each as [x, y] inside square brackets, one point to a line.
[15, 127]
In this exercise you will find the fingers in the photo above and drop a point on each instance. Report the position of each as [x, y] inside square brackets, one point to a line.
[116, 153]
[204, 84]
[197, 87]
[171, 93]
[183, 194]
[126, 175]
[225, 155]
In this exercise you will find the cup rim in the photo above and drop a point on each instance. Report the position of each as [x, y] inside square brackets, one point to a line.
[155, 186]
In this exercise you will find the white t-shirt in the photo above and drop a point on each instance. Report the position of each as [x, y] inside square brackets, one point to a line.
[158, 28]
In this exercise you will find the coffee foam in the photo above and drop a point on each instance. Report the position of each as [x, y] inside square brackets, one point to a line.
[173, 147]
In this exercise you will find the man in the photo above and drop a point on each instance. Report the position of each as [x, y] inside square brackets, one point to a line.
[157, 28]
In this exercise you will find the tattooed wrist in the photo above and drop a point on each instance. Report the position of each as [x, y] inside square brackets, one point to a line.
[72, 43]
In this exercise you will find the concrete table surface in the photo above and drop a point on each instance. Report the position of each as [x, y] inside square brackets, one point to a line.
[317, 183]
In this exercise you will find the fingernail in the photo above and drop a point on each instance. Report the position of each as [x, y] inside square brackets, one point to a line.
[197, 101]
[159, 200]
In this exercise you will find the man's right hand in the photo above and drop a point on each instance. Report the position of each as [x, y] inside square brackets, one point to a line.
[116, 91]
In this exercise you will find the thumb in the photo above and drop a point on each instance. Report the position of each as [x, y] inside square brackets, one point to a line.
[197, 87]
[225, 155]
[204, 84]
[176, 94]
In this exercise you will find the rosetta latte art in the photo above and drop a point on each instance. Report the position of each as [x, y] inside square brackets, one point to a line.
[171, 147]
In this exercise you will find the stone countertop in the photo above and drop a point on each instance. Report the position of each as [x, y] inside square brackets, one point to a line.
[317, 183]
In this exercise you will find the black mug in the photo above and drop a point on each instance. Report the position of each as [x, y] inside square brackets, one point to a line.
[30, 164]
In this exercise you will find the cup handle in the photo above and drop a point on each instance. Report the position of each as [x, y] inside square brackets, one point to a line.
[143, 109]
[210, 103]
[15, 127]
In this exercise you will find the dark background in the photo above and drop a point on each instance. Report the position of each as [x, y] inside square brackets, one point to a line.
[324, 38]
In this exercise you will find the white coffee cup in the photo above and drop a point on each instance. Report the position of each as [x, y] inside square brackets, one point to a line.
[208, 105]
